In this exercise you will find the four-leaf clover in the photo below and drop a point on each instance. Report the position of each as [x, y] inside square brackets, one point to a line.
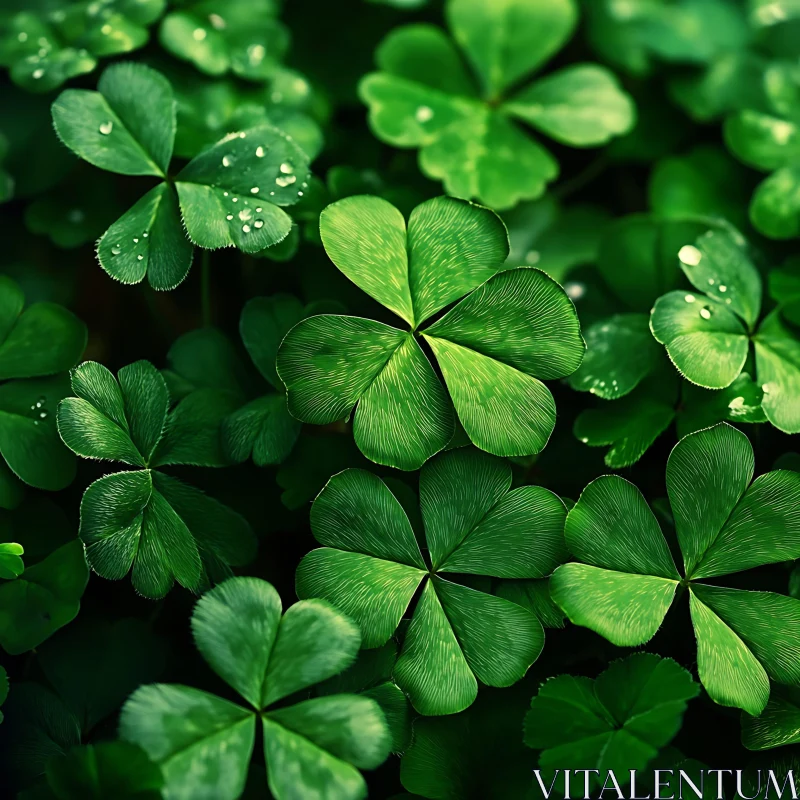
[626, 579]
[371, 567]
[514, 328]
[313, 748]
[145, 520]
[230, 194]
[707, 333]
[425, 96]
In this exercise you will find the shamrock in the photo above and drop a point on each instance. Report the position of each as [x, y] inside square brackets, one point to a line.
[312, 748]
[242, 36]
[425, 96]
[163, 529]
[44, 596]
[36, 343]
[46, 48]
[229, 195]
[371, 567]
[108, 769]
[769, 140]
[515, 326]
[618, 721]
[707, 333]
[626, 579]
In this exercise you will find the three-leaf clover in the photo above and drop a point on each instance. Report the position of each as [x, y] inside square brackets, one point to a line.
[239, 36]
[371, 567]
[145, 520]
[707, 333]
[626, 579]
[36, 343]
[45, 596]
[618, 721]
[46, 48]
[769, 140]
[230, 194]
[514, 328]
[468, 130]
[314, 747]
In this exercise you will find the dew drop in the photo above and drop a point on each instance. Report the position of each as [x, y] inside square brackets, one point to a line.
[690, 298]
[245, 229]
[705, 312]
[299, 194]
[245, 214]
[424, 114]
[105, 127]
[260, 151]
[38, 73]
[690, 255]
[224, 194]
[140, 257]
[259, 210]
[711, 281]
[287, 169]
[766, 388]
[229, 217]
[42, 415]
[254, 190]
[285, 180]
[259, 223]
[227, 160]
[135, 240]
[145, 235]
[575, 290]
[235, 199]
[723, 288]
[242, 135]
[116, 250]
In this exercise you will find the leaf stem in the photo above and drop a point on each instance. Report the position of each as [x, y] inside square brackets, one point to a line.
[205, 287]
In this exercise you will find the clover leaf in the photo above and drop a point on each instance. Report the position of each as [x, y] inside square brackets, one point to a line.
[46, 595]
[371, 567]
[468, 128]
[707, 333]
[36, 343]
[242, 36]
[778, 725]
[231, 194]
[769, 140]
[107, 769]
[512, 329]
[204, 743]
[618, 721]
[43, 49]
[144, 520]
[11, 564]
[626, 580]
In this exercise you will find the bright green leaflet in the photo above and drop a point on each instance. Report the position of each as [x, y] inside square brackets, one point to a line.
[36, 343]
[44, 48]
[619, 721]
[46, 595]
[778, 725]
[316, 747]
[707, 333]
[144, 520]
[471, 127]
[371, 567]
[513, 329]
[625, 579]
[769, 140]
[231, 194]
[631, 424]
[239, 36]
[11, 563]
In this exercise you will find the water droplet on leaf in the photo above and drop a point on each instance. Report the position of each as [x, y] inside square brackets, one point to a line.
[690, 255]
[106, 127]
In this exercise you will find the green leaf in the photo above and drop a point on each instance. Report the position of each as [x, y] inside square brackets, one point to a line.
[42, 339]
[777, 351]
[46, 596]
[581, 105]
[777, 725]
[232, 193]
[127, 126]
[11, 564]
[740, 402]
[631, 425]
[620, 353]
[148, 240]
[118, 419]
[313, 746]
[617, 722]
[371, 568]
[506, 41]
[115, 769]
[705, 340]
[263, 429]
